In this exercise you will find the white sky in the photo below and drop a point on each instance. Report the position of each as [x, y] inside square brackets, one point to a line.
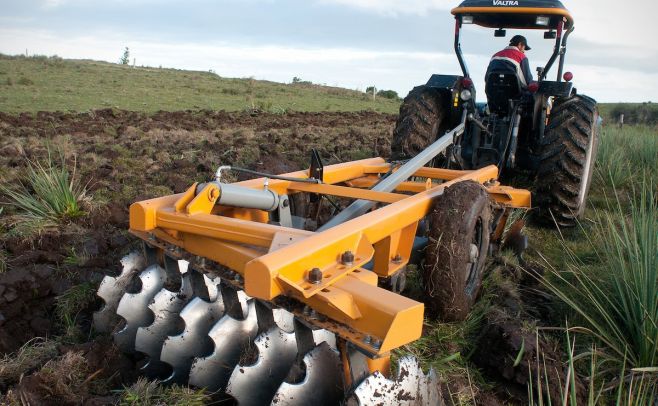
[351, 43]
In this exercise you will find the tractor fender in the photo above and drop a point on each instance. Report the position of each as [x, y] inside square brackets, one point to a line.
[447, 82]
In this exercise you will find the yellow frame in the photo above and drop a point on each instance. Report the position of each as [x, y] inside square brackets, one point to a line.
[273, 261]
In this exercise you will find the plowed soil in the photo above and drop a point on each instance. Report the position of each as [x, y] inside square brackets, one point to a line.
[122, 157]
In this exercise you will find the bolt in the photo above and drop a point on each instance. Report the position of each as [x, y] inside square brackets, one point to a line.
[309, 312]
[213, 194]
[315, 276]
[151, 236]
[347, 258]
[286, 203]
[397, 259]
[376, 344]
[367, 340]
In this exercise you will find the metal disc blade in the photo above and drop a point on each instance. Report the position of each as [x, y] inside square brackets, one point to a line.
[412, 387]
[231, 338]
[256, 384]
[166, 307]
[322, 335]
[133, 307]
[112, 289]
[179, 351]
[322, 384]
[284, 320]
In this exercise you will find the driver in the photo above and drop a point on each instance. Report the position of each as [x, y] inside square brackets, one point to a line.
[512, 59]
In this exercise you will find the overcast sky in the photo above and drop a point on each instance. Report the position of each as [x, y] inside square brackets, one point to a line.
[392, 44]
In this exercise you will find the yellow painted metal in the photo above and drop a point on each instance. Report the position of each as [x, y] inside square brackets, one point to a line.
[205, 201]
[275, 261]
[393, 252]
[432, 173]
[511, 197]
[412, 187]
[343, 191]
[382, 364]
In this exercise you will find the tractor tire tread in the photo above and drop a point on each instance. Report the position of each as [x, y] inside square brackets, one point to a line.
[563, 157]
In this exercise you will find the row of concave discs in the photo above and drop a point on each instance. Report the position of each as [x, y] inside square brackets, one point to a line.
[196, 330]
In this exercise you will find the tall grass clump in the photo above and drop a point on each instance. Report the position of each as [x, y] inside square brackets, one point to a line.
[626, 154]
[48, 195]
[616, 298]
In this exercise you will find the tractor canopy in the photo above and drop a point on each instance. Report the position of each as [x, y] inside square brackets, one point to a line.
[515, 14]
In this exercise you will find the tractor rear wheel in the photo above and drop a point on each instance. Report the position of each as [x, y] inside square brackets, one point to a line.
[567, 156]
[422, 118]
[459, 233]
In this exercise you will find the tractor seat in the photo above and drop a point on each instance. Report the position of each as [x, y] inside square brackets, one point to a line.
[501, 87]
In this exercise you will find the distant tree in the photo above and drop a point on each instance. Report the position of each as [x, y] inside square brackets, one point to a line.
[125, 59]
[388, 94]
[371, 89]
[298, 81]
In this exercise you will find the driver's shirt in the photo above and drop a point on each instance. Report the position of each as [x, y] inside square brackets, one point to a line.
[511, 60]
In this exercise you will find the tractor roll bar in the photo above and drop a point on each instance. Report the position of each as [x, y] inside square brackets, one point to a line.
[559, 50]
[458, 47]
[563, 53]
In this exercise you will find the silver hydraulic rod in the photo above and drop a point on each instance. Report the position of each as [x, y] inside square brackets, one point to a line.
[389, 184]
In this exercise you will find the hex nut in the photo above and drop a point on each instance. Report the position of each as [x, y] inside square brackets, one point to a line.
[347, 258]
[315, 276]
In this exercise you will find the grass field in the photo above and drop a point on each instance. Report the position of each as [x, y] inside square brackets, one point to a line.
[54, 84]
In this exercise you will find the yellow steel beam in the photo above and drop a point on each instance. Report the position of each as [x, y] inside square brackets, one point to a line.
[332, 174]
[343, 191]
[370, 181]
[432, 173]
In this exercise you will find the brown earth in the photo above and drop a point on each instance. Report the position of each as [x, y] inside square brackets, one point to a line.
[125, 156]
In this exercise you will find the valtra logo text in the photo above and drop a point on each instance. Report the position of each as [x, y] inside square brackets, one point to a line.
[505, 3]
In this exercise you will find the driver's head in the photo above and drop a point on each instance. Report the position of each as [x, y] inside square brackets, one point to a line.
[520, 42]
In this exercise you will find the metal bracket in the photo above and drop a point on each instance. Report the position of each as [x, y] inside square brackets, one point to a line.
[316, 171]
[285, 217]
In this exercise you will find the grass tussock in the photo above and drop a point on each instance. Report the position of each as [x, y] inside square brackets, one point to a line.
[64, 376]
[151, 393]
[69, 303]
[48, 196]
[32, 355]
[615, 298]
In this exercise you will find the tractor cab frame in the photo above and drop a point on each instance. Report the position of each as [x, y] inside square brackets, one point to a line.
[515, 117]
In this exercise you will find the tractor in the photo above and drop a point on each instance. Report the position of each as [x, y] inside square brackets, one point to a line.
[545, 129]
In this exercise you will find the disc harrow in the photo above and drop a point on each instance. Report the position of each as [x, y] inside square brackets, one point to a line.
[255, 353]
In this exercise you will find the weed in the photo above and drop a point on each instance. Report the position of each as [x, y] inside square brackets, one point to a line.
[72, 301]
[50, 195]
[30, 356]
[23, 81]
[3, 261]
[75, 259]
[62, 378]
[150, 393]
